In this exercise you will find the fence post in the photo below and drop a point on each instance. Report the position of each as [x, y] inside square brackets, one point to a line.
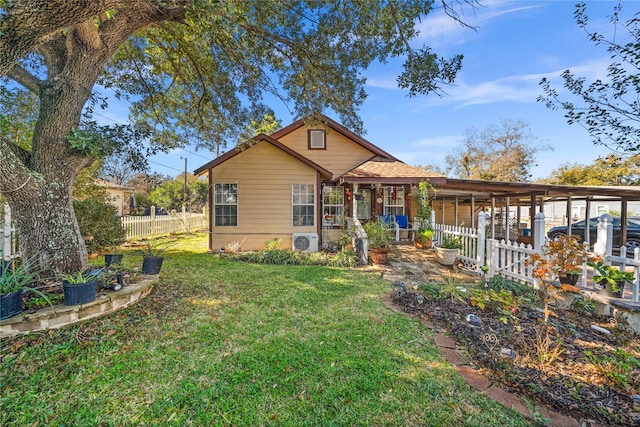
[7, 250]
[538, 232]
[492, 257]
[482, 238]
[185, 227]
[604, 236]
[152, 211]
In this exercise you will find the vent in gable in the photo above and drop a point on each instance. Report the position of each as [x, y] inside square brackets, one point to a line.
[316, 140]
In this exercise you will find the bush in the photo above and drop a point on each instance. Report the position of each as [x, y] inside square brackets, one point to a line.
[287, 257]
[99, 220]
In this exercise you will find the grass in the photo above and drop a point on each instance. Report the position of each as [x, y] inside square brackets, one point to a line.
[230, 343]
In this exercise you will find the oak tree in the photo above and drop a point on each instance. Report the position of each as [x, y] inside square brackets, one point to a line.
[188, 67]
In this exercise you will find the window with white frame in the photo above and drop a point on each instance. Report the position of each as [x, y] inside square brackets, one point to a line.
[332, 205]
[303, 202]
[225, 198]
[394, 200]
[602, 209]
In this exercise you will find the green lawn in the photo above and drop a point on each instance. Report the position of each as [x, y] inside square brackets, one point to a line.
[230, 343]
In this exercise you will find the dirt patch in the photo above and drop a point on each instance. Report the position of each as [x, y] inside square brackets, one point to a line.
[566, 364]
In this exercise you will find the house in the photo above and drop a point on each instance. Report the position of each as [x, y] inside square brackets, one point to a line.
[117, 195]
[303, 181]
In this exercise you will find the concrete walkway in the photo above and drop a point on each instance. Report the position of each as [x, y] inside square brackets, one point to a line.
[409, 264]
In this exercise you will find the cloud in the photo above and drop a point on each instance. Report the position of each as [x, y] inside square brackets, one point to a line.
[440, 29]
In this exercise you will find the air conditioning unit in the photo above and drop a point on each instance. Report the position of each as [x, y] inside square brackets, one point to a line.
[305, 242]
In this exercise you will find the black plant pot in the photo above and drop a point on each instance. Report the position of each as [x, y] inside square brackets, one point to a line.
[569, 279]
[10, 304]
[82, 293]
[606, 289]
[152, 265]
[112, 259]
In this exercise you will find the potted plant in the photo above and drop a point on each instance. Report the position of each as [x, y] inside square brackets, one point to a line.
[80, 287]
[447, 250]
[346, 239]
[114, 257]
[611, 279]
[16, 277]
[379, 236]
[423, 237]
[566, 256]
[153, 256]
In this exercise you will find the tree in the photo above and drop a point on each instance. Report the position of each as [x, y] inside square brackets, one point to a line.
[499, 153]
[170, 193]
[609, 170]
[608, 110]
[181, 62]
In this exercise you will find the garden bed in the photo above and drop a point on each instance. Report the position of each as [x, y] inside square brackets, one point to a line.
[571, 364]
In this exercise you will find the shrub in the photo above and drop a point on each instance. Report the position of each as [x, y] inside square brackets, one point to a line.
[499, 283]
[99, 220]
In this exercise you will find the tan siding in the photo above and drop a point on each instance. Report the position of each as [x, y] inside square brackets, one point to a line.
[341, 155]
[264, 175]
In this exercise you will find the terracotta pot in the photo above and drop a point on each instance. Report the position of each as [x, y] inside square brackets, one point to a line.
[379, 255]
[422, 245]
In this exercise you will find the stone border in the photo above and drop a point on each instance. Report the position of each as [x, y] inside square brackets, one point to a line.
[63, 315]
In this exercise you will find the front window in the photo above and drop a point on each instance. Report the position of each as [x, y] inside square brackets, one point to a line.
[226, 205]
[394, 201]
[332, 205]
[303, 202]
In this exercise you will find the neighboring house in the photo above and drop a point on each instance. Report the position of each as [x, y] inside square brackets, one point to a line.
[304, 181]
[118, 195]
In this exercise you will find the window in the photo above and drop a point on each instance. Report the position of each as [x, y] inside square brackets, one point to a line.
[317, 140]
[303, 202]
[602, 209]
[394, 201]
[332, 205]
[226, 205]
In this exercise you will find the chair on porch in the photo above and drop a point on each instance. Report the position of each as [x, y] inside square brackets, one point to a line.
[403, 224]
[389, 221]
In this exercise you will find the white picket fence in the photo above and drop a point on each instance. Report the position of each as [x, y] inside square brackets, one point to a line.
[154, 225]
[135, 226]
[8, 237]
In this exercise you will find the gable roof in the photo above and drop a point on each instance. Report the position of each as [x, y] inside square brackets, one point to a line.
[338, 128]
[390, 171]
[247, 145]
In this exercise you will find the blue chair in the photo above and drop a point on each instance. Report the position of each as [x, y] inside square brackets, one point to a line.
[402, 223]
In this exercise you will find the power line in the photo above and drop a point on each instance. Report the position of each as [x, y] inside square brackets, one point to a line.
[165, 166]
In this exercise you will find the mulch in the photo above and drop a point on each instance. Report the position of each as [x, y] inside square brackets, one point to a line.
[565, 364]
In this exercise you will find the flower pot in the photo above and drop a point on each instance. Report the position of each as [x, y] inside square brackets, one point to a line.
[569, 279]
[379, 255]
[608, 291]
[112, 259]
[10, 304]
[446, 256]
[419, 244]
[152, 265]
[81, 293]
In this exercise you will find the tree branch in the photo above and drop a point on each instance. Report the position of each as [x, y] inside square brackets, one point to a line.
[26, 79]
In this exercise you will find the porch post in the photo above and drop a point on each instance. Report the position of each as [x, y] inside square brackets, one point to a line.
[569, 219]
[493, 217]
[473, 210]
[507, 220]
[455, 211]
[587, 214]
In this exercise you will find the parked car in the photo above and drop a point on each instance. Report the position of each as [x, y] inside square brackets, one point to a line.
[577, 228]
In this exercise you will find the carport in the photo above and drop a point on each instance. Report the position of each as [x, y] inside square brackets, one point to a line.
[460, 200]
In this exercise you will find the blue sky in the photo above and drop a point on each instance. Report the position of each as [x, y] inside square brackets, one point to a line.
[515, 45]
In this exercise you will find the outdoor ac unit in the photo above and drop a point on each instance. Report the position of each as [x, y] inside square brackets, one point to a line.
[305, 242]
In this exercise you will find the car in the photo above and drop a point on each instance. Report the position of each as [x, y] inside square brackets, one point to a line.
[577, 228]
